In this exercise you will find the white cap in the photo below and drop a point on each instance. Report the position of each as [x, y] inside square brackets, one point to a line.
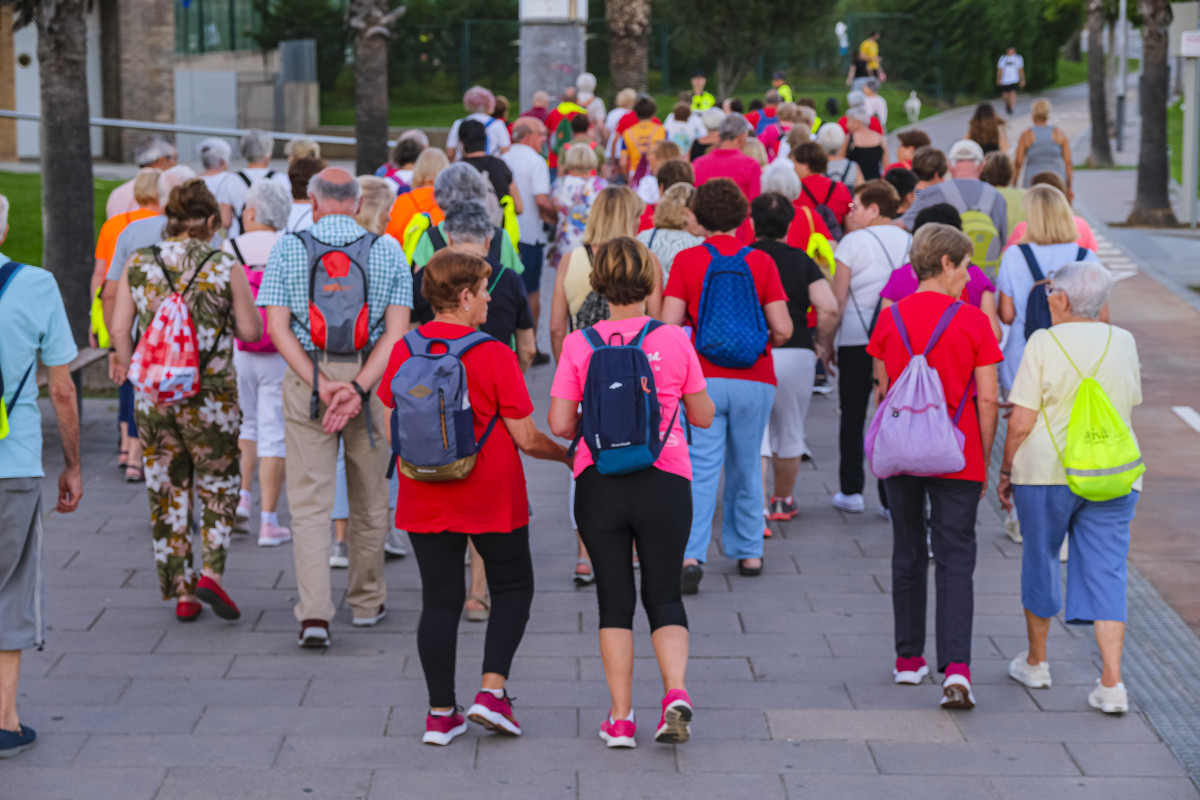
[965, 150]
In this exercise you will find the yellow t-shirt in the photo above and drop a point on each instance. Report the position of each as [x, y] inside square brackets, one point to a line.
[870, 53]
[1046, 378]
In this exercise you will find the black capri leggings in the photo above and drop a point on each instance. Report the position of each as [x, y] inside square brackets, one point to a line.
[444, 592]
[651, 508]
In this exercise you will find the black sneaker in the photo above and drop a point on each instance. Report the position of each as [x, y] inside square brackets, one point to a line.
[540, 358]
[690, 582]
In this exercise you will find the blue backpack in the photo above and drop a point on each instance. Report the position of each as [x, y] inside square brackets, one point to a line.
[621, 418]
[1037, 307]
[731, 330]
[433, 426]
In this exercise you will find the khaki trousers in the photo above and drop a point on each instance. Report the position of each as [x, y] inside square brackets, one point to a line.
[311, 476]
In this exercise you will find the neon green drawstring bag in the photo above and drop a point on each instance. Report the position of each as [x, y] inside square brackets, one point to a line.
[1101, 458]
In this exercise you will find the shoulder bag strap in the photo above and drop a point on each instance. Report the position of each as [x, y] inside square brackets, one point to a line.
[166, 273]
[6, 274]
[1081, 254]
[886, 253]
[811, 196]
[953, 194]
[237, 251]
[901, 329]
[942, 324]
[653, 233]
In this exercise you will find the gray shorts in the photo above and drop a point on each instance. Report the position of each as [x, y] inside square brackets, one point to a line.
[22, 618]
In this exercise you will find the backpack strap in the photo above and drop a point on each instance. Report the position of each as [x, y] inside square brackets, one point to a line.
[594, 338]
[494, 247]
[6, 274]
[237, 251]
[435, 236]
[591, 255]
[829, 194]
[245, 178]
[1081, 254]
[953, 194]
[811, 196]
[1034, 268]
[712, 251]
[900, 329]
[942, 324]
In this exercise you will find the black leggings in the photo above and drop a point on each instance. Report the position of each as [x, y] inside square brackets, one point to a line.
[855, 371]
[444, 592]
[651, 508]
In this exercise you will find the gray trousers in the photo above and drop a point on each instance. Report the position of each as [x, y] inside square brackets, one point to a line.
[22, 617]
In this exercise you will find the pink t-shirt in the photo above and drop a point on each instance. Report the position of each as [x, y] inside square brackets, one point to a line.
[726, 162]
[1086, 237]
[676, 373]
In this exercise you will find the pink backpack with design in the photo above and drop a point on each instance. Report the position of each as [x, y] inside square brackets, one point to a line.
[254, 274]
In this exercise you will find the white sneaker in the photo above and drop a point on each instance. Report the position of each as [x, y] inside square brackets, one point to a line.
[1062, 553]
[1012, 528]
[369, 622]
[1109, 699]
[884, 514]
[1034, 677]
[339, 556]
[853, 503]
[241, 522]
[393, 545]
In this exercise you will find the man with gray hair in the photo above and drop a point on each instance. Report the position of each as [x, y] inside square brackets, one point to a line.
[532, 177]
[585, 86]
[154, 152]
[727, 160]
[256, 147]
[329, 392]
[479, 104]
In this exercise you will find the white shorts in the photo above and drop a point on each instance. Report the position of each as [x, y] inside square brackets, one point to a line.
[795, 369]
[260, 394]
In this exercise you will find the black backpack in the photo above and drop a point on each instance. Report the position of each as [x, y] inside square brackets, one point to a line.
[824, 211]
[439, 242]
[246, 180]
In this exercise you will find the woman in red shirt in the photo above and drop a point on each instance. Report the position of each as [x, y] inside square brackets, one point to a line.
[490, 504]
[966, 352]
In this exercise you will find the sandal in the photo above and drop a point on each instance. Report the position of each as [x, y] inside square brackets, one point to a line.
[134, 474]
[584, 578]
[482, 615]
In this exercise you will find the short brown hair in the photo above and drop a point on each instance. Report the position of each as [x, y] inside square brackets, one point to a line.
[997, 169]
[623, 271]
[300, 172]
[682, 110]
[1049, 179]
[666, 150]
[719, 205]
[812, 155]
[673, 171]
[929, 163]
[878, 193]
[191, 210]
[913, 138]
[934, 240]
[448, 273]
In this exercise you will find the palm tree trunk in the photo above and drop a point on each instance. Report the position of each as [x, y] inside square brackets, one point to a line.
[370, 102]
[1101, 155]
[1152, 205]
[66, 156]
[628, 42]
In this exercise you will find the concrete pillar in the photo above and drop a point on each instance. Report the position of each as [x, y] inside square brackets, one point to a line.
[138, 68]
[553, 46]
[8, 85]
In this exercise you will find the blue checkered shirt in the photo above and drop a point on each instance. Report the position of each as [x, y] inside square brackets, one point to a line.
[285, 280]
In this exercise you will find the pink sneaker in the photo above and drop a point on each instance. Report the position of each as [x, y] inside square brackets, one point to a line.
[674, 727]
[494, 713]
[273, 535]
[443, 730]
[910, 670]
[618, 733]
[956, 689]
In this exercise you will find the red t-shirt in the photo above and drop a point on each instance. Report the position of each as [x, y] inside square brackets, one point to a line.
[728, 162]
[687, 279]
[967, 343]
[876, 125]
[818, 186]
[492, 499]
[898, 165]
[647, 220]
[801, 229]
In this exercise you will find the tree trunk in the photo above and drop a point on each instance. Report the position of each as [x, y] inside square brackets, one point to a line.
[1152, 205]
[1073, 49]
[628, 42]
[66, 159]
[370, 102]
[1101, 155]
[730, 73]
[1111, 63]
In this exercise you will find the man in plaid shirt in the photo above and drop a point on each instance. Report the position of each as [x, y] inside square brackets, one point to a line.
[346, 382]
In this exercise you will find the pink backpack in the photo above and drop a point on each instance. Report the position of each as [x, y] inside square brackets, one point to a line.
[254, 274]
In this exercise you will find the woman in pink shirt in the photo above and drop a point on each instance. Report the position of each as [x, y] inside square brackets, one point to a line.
[651, 507]
[1086, 239]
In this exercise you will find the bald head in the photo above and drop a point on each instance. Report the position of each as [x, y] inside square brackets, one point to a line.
[334, 191]
[525, 127]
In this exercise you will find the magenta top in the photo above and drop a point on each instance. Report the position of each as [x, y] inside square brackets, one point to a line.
[904, 282]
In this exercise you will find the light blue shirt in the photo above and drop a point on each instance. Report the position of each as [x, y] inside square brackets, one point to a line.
[33, 322]
[1015, 280]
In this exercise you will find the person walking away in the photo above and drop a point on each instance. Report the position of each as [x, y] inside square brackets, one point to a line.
[539, 106]
[870, 53]
[865, 259]
[154, 152]
[863, 146]
[33, 327]
[795, 361]
[581, 136]
[1045, 398]
[400, 167]
[1049, 242]
[988, 130]
[904, 181]
[857, 74]
[742, 387]
[650, 506]
[324, 392]
[930, 166]
[419, 199]
[831, 138]
[1086, 237]
[998, 171]
[703, 144]
[702, 100]
[1044, 148]
[190, 446]
[299, 147]
[875, 105]
[675, 228]
[662, 152]
[260, 368]
[621, 111]
[827, 198]
[1010, 76]
[728, 161]
[683, 126]
[638, 139]
[574, 194]
[787, 116]
[215, 155]
[958, 344]
[300, 172]
[473, 140]
[255, 147]
[488, 506]
[533, 182]
[479, 104]
[669, 172]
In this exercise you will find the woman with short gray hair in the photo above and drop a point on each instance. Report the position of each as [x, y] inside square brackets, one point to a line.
[1034, 480]
[831, 137]
[256, 147]
[864, 146]
[479, 103]
[260, 368]
[458, 183]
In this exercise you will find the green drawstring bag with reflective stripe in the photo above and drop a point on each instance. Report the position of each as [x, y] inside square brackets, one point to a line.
[1101, 457]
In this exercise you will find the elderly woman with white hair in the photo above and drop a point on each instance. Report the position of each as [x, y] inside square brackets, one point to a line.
[256, 147]
[260, 368]
[1033, 478]
[831, 137]
[479, 104]
[214, 158]
[458, 183]
[585, 85]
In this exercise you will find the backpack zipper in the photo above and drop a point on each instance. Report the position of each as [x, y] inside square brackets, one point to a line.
[442, 414]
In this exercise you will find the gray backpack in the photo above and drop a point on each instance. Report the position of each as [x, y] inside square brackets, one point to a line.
[433, 428]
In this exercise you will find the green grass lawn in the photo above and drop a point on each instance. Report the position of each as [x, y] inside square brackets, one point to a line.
[1073, 72]
[24, 193]
[1175, 140]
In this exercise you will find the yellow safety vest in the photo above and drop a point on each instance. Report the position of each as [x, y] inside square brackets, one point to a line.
[703, 101]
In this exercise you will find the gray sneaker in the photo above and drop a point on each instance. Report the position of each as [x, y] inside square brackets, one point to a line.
[339, 558]
[393, 545]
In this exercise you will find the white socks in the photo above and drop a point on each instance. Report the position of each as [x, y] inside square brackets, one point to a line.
[269, 518]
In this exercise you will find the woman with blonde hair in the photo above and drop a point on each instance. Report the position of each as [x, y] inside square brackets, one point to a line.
[1049, 242]
[1086, 237]
[301, 147]
[1044, 148]
[375, 211]
[675, 227]
[755, 149]
[420, 199]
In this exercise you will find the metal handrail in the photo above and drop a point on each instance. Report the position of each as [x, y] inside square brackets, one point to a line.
[166, 127]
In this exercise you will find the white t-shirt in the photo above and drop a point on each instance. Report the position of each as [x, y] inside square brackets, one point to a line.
[300, 218]
[1047, 379]
[1010, 69]
[532, 177]
[234, 189]
[595, 108]
[494, 129]
[610, 122]
[871, 254]
[1015, 280]
[647, 189]
[255, 246]
[876, 106]
[684, 133]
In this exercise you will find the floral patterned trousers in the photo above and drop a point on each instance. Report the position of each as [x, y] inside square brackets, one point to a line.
[191, 445]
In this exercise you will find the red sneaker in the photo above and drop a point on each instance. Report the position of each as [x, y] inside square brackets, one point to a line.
[494, 713]
[211, 592]
[442, 730]
[187, 611]
[675, 725]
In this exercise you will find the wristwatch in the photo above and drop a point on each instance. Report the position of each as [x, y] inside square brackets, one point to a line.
[362, 393]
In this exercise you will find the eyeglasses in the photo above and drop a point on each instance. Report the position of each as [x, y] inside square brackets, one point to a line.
[1051, 289]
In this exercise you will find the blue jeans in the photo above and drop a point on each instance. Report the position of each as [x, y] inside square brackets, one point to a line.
[1096, 571]
[733, 441]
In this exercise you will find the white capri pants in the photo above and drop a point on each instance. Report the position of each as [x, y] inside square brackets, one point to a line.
[795, 370]
[260, 394]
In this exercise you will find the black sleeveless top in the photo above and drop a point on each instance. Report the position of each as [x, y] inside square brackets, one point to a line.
[869, 159]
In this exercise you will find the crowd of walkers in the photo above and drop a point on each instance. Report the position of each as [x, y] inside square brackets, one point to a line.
[363, 343]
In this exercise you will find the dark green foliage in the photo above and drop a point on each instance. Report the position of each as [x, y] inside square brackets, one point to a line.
[322, 20]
